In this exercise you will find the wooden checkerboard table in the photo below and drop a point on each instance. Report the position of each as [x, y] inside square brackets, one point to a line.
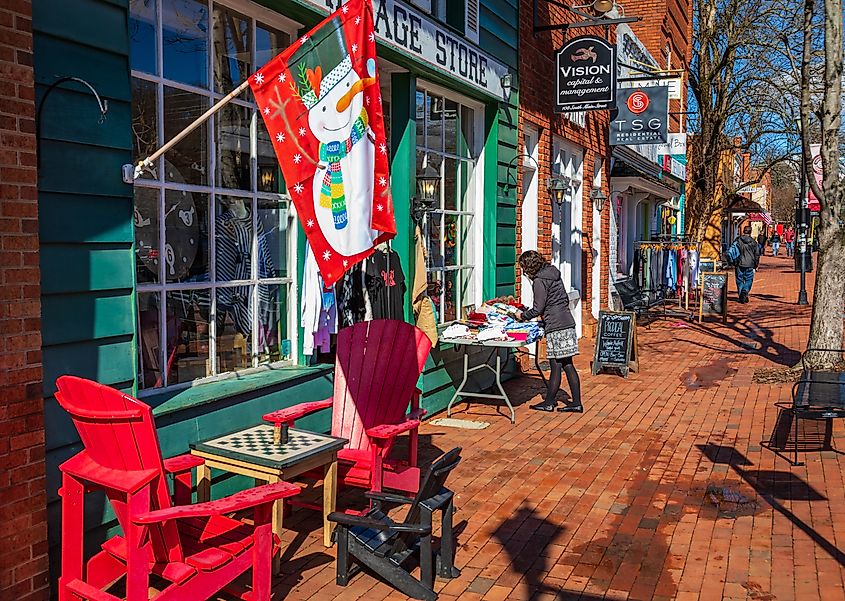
[254, 453]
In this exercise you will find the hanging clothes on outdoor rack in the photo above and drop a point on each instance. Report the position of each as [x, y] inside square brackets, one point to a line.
[386, 284]
[353, 299]
[318, 307]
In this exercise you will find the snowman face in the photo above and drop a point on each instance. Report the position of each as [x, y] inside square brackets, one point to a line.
[332, 118]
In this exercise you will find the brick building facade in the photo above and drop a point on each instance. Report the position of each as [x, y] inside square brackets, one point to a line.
[23, 504]
[573, 143]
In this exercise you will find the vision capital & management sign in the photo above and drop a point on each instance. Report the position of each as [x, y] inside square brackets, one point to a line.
[586, 75]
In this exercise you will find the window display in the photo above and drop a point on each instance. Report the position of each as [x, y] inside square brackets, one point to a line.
[212, 219]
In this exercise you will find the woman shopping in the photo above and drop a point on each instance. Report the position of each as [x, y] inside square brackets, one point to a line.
[552, 302]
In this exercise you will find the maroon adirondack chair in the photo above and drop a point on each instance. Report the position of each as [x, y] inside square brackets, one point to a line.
[195, 549]
[377, 366]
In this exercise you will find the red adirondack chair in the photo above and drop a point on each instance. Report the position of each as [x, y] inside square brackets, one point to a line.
[377, 366]
[194, 548]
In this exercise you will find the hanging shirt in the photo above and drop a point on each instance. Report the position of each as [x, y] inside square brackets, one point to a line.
[318, 308]
[386, 285]
[351, 302]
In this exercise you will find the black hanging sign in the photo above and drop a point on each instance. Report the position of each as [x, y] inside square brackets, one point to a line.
[641, 116]
[616, 343]
[586, 75]
[714, 295]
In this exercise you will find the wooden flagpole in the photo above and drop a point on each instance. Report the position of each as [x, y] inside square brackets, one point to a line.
[148, 162]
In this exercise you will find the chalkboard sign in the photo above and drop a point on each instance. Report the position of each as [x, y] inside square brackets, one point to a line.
[714, 295]
[616, 341]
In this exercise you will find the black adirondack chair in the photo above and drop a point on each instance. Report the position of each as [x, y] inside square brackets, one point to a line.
[384, 546]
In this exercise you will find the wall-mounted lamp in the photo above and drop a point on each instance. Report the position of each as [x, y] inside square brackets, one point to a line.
[603, 6]
[428, 188]
[508, 82]
[558, 186]
[598, 197]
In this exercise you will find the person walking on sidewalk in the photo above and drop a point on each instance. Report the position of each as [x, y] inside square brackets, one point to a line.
[761, 240]
[789, 236]
[775, 240]
[746, 264]
[552, 302]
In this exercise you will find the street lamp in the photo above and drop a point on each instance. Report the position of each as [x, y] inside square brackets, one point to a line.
[801, 221]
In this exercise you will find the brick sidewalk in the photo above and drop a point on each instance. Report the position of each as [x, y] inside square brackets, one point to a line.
[660, 490]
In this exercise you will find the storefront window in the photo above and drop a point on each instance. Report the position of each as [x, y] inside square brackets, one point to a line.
[447, 142]
[212, 220]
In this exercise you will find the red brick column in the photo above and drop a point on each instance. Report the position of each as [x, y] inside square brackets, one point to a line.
[23, 500]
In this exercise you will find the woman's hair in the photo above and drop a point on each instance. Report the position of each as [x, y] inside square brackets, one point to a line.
[532, 262]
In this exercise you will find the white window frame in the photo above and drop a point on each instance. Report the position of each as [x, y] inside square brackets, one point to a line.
[475, 213]
[257, 14]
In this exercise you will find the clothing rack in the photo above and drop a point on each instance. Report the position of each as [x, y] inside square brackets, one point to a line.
[683, 301]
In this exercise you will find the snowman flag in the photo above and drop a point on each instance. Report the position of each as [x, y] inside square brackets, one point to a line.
[321, 102]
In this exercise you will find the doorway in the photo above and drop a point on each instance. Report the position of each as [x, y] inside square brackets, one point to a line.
[567, 233]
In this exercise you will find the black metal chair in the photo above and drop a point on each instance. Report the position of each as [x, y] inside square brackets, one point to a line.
[817, 395]
[384, 546]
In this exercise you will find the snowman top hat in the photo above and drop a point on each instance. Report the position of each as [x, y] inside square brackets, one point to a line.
[325, 51]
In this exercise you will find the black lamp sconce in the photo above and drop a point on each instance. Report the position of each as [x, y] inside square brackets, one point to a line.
[428, 191]
[598, 197]
[558, 186]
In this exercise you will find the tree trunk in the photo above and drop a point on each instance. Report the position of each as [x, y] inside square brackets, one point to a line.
[827, 327]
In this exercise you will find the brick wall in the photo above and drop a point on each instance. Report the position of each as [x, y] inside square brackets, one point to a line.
[536, 93]
[23, 503]
[667, 23]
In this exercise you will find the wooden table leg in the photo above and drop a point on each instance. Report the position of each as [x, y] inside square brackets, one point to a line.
[329, 499]
[203, 483]
[278, 518]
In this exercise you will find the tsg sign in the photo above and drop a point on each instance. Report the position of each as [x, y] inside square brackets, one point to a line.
[641, 116]
[586, 75]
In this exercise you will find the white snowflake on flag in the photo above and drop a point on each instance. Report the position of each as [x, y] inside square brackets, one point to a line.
[382, 148]
[327, 255]
[357, 20]
[283, 77]
[266, 110]
[298, 188]
[344, 9]
[297, 158]
[280, 137]
[379, 208]
[382, 181]
[259, 78]
[372, 37]
[309, 224]
[368, 101]
[345, 263]
[301, 131]
[354, 48]
[303, 39]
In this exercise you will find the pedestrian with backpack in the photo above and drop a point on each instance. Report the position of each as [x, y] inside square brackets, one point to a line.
[744, 254]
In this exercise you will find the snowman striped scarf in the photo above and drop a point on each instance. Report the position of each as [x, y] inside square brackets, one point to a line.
[331, 191]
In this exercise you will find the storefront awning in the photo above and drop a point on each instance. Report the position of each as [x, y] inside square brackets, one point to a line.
[742, 204]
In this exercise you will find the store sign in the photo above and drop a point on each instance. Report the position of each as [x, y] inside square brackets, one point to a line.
[586, 75]
[673, 155]
[642, 116]
[415, 34]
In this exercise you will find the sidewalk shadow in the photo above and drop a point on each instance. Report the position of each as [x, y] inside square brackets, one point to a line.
[524, 537]
[773, 487]
[744, 329]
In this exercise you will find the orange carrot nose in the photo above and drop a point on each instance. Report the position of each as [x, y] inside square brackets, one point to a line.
[346, 99]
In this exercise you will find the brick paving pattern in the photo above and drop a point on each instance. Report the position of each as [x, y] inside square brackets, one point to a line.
[660, 490]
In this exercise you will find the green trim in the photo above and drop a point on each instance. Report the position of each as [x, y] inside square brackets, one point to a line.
[491, 163]
[403, 148]
[168, 402]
